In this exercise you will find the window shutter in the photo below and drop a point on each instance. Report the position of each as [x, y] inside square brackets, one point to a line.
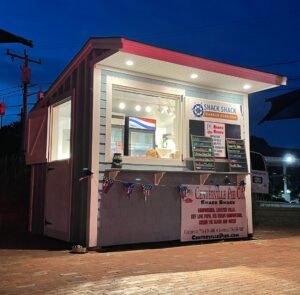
[36, 139]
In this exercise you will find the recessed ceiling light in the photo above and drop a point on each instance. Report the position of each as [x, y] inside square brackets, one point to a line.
[138, 108]
[194, 76]
[247, 86]
[122, 105]
[148, 109]
[129, 63]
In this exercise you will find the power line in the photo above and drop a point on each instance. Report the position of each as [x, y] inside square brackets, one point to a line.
[278, 64]
[294, 78]
[278, 89]
[9, 88]
[17, 90]
[14, 106]
[20, 86]
[12, 92]
[282, 89]
[18, 114]
[19, 105]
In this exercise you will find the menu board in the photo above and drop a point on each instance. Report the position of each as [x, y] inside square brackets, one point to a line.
[217, 132]
[203, 153]
[236, 155]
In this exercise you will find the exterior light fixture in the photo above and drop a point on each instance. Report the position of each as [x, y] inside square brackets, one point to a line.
[227, 181]
[122, 105]
[148, 109]
[194, 76]
[288, 158]
[247, 86]
[137, 108]
[117, 160]
[129, 63]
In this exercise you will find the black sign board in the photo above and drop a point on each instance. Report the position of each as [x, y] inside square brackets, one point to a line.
[203, 153]
[236, 155]
[197, 128]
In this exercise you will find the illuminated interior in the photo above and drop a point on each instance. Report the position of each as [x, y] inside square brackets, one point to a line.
[144, 124]
[61, 131]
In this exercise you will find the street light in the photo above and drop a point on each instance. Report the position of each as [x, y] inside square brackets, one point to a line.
[287, 159]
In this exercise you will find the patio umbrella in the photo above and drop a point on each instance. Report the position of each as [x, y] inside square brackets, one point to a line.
[6, 37]
[285, 106]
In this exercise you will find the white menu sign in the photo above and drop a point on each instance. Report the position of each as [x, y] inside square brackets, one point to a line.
[217, 132]
[209, 212]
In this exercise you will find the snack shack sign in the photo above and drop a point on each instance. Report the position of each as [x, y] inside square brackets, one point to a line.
[202, 109]
[210, 212]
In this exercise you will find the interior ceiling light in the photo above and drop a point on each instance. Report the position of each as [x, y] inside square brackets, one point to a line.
[169, 112]
[122, 105]
[194, 76]
[129, 63]
[163, 109]
[246, 86]
[148, 109]
[138, 108]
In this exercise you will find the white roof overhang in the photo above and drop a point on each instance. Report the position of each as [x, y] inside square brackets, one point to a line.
[176, 72]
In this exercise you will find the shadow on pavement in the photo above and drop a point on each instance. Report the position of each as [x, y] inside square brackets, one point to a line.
[26, 241]
[275, 232]
[260, 233]
[14, 234]
[163, 245]
[21, 239]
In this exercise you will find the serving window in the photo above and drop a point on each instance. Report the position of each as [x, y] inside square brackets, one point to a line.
[145, 124]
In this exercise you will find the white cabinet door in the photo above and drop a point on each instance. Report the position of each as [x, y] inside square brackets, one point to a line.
[58, 200]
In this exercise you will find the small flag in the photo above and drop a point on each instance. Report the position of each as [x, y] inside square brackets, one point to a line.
[183, 191]
[129, 186]
[242, 183]
[146, 188]
[107, 183]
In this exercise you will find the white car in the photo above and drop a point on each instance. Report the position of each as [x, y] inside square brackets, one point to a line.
[259, 174]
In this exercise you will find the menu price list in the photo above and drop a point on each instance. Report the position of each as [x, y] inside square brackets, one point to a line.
[203, 153]
[237, 155]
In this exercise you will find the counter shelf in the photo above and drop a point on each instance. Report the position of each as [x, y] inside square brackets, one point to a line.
[171, 177]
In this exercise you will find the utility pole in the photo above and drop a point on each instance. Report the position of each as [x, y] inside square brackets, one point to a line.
[1, 124]
[2, 112]
[26, 78]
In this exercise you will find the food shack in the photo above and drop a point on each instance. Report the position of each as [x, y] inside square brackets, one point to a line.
[133, 143]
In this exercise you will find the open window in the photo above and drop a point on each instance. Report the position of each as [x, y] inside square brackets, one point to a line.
[61, 131]
[145, 124]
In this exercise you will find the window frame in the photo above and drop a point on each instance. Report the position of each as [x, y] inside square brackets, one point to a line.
[175, 93]
[51, 129]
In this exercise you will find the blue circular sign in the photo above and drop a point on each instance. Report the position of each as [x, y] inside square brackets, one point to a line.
[198, 110]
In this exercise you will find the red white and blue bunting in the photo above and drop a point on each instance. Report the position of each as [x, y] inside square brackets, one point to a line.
[183, 191]
[146, 188]
[107, 183]
[129, 186]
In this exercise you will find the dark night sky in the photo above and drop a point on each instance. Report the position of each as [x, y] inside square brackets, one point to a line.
[245, 33]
